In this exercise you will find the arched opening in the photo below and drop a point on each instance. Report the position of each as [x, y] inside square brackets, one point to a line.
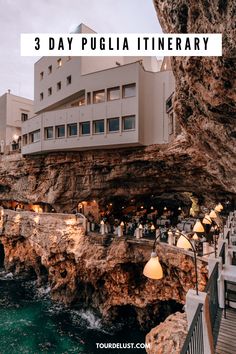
[2, 255]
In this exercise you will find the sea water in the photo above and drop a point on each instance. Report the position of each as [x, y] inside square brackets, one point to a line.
[31, 323]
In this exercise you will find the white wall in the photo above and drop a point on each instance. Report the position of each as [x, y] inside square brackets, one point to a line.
[11, 107]
[154, 91]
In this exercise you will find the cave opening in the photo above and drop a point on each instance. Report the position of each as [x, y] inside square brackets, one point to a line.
[168, 204]
[2, 255]
[43, 273]
[144, 318]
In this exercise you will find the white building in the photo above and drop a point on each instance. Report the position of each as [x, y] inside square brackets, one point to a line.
[13, 110]
[96, 102]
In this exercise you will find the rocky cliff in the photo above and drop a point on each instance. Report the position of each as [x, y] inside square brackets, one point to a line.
[206, 87]
[169, 336]
[80, 268]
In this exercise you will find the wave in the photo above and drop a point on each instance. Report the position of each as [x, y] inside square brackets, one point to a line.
[6, 275]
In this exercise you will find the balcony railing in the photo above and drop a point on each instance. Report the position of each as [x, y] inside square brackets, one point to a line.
[212, 291]
[222, 253]
[194, 341]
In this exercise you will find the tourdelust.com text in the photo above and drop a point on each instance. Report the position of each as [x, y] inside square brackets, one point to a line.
[123, 345]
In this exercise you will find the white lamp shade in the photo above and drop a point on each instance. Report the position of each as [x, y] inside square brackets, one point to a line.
[195, 237]
[213, 214]
[198, 227]
[140, 226]
[219, 207]
[152, 227]
[153, 269]
[183, 243]
[207, 220]
[102, 222]
[122, 223]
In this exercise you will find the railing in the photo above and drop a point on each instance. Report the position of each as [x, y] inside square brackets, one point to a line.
[228, 236]
[222, 253]
[194, 341]
[212, 291]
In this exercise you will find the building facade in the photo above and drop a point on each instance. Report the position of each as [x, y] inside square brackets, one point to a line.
[96, 102]
[13, 111]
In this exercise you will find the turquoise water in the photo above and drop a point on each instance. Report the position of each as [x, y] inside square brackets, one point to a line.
[31, 323]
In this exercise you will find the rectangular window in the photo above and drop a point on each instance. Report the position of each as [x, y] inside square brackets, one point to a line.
[24, 117]
[98, 126]
[99, 96]
[41, 75]
[41, 96]
[35, 136]
[129, 90]
[59, 86]
[60, 131]
[48, 133]
[85, 128]
[113, 93]
[49, 91]
[128, 123]
[113, 124]
[25, 139]
[49, 69]
[72, 129]
[68, 80]
[59, 63]
[169, 103]
[81, 101]
[171, 123]
[89, 98]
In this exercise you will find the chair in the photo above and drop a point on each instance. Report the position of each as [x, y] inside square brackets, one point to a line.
[230, 294]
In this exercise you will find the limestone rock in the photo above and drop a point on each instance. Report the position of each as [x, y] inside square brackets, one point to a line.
[80, 268]
[168, 337]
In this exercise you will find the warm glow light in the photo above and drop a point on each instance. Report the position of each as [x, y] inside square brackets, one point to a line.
[198, 227]
[179, 208]
[122, 223]
[153, 269]
[219, 207]
[102, 222]
[17, 218]
[183, 243]
[152, 207]
[152, 227]
[165, 208]
[142, 207]
[110, 204]
[207, 220]
[15, 137]
[213, 214]
[140, 226]
[195, 237]
[36, 219]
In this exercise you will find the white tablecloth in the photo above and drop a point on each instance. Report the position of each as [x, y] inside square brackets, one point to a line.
[228, 273]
